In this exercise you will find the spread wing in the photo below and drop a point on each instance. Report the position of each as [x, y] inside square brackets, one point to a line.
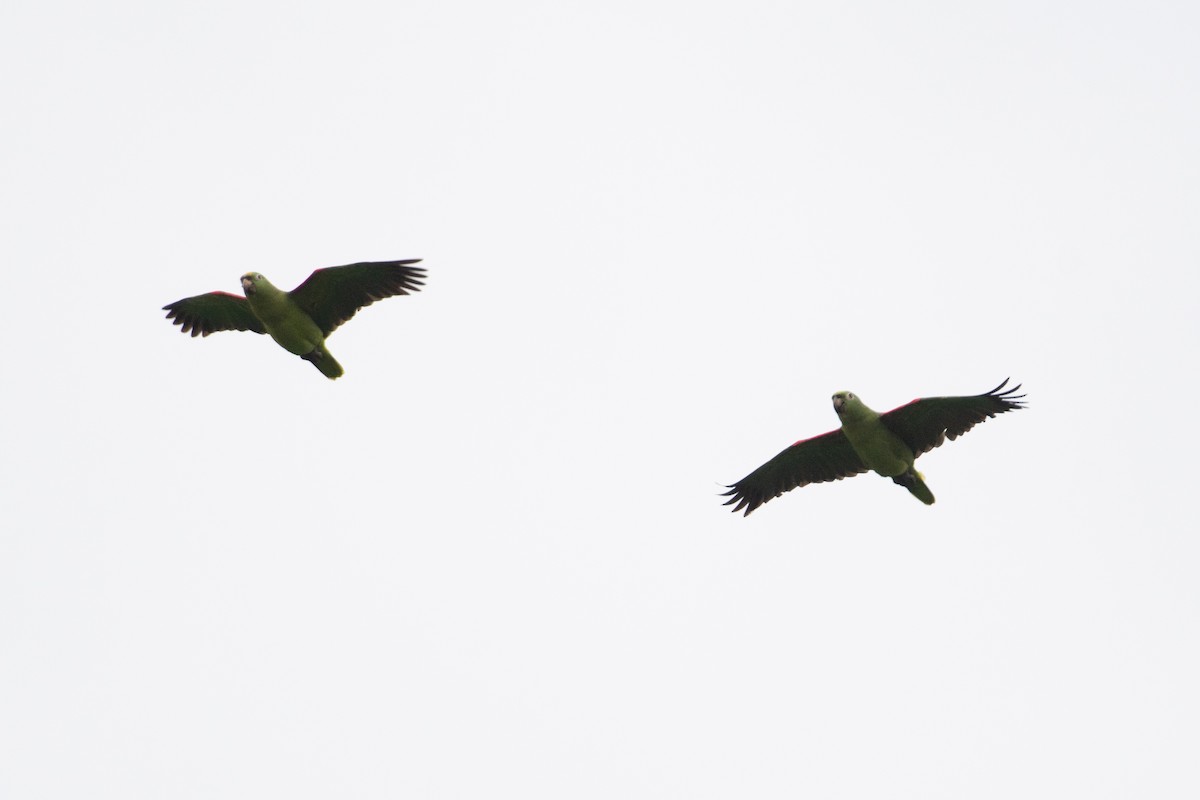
[828, 457]
[334, 294]
[215, 311]
[927, 422]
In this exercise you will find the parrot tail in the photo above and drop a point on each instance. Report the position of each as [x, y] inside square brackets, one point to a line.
[915, 483]
[322, 360]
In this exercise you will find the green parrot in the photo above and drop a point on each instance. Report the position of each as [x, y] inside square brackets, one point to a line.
[299, 320]
[885, 443]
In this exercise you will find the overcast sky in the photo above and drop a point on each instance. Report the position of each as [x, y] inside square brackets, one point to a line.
[491, 560]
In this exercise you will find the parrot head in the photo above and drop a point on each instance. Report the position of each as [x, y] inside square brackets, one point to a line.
[850, 409]
[252, 282]
[848, 406]
[840, 399]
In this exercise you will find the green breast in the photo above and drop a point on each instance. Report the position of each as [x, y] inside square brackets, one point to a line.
[288, 325]
[879, 448]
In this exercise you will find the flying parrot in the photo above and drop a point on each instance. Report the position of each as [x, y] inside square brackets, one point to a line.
[299, 320]
[885, 443]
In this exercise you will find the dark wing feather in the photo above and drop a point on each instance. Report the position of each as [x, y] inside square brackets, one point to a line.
[925, 423]
[334, 294]
[828, 457]
[215, 311]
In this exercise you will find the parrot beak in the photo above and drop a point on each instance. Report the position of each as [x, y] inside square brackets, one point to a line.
[838, 402]
[247, 285]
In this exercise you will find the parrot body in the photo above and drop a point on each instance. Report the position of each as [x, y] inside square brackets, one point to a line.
[300, 320]
[887, 444]
[287, 323]
[882, 451]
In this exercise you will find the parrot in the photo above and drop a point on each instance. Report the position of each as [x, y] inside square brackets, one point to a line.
[299, 320]
[887, 444]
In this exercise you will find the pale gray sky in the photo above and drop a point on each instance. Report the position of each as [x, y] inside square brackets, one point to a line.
[491, 561]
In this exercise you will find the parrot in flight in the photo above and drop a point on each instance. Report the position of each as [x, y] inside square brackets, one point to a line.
[886, 443]
[299, 320]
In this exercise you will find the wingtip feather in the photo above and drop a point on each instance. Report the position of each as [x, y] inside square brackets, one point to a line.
[1008, 396]
[742, 501]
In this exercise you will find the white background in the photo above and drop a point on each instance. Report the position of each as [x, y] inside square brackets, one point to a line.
[491, 561]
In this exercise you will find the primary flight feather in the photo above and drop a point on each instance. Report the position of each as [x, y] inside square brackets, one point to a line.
[887, 444]
[299, 320]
